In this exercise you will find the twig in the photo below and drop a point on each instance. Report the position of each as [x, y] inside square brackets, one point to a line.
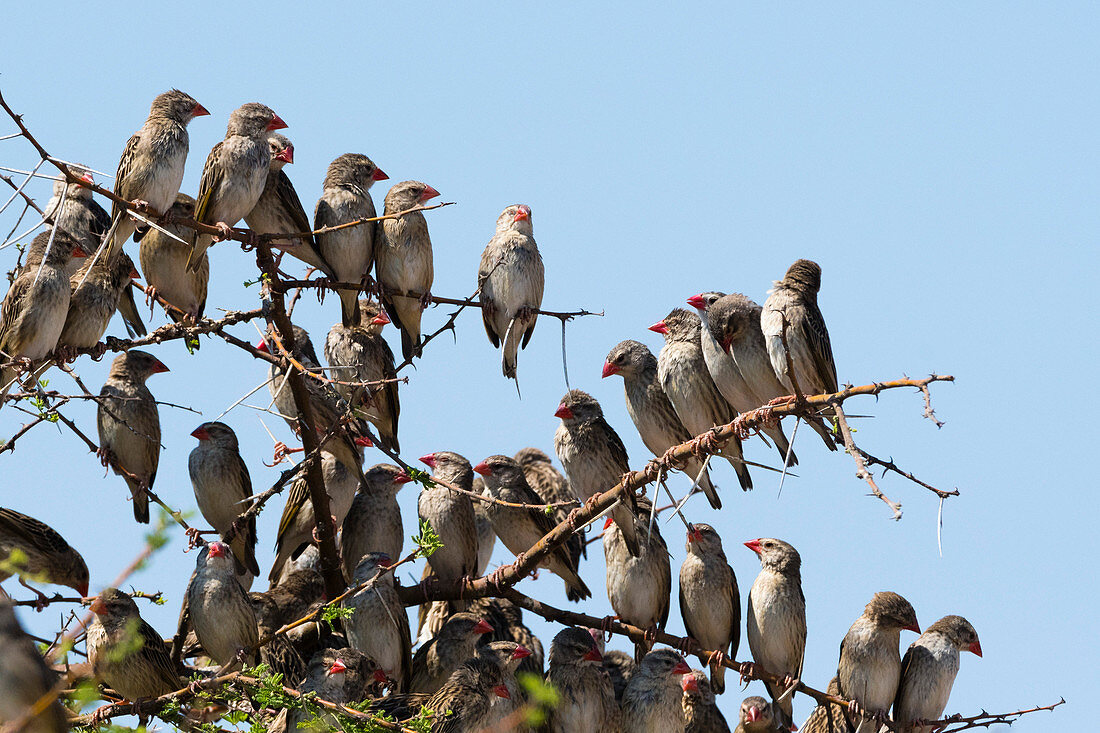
[861, 465]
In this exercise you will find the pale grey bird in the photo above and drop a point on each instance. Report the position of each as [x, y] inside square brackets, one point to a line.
[436, 659]
[82, 218]
[552, 488]
[129, 425]
[223, 490]
[234, 174]
[685, 379]
[776, 616]
[710, 603]
[220, 609]
[26, 680]
[793, 300]
[97, 290]
[349, 252]
[510, 280]
[756, 716]
[164, 263]
[404, 262]
[373, 523]
[701, 713]
[341, 676]
[45, 553]
[638, 586]
[586, 696]
[509, 655]
[379, 627]
[594, 458]
[506, 619]
[652, 702]
[127, 653]
[150, 170]
[647, 404]
[451, 515]
[928, 672]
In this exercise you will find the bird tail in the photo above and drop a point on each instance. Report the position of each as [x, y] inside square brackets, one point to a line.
[781, 444]
[508, 358]
[349, 308]
[405, 313]
[718, 678]
[819, 427]
[141, 501]
[127, 308]
[575, 588]
[624, 520]
[732, 453]
[198, 249]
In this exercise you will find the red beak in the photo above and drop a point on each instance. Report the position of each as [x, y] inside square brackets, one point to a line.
[609, 369]
[753, 713]
[593, 655]
[200, 433]
[429, 193]
[198, 110]
[134, 274]
[87, 178]
[98, 607]
[483, 469]
[217, 549]
[79, 254]
[381, 319]
[276, 123]
[428, 460]
[659, 327]
[976, 648]
[483, 627]
[83, 591]
[159, 367]
[694, 535]
[384, 561]
[753, 545]
[912, 627]
[696, 301]
[607, 523]
[726, 344]
[689, 683]
[363, 442]
[564, 413]
[262, 346]
[286, 154]
[521, 652]
[402, 478]
[337, 667]
[380, 676]
[502, 691]
[681, 668]
[522, 213]
[378, 175]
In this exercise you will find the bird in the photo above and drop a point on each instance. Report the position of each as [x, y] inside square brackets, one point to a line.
[451, 516]
[519, 528]
[127, 653]
[793, 301]
[81, 217]
[340, 676]
[870, 663]
[828, 718]
[701, 713]
[776, 617]
[510, 282]
[373, 522]
[710, 603]
[279, 654]
[652, 701]
[164, 263]
[725, 372]
[685, 379]
[223, 491]
[756, 716]
[734, 323]
[638, 586]
[379, 627]
[33, 312]
[129, 425]
[234, 174]
[506, 618]
[620, 667]
[552, 488]
[436, 659]
[465, 702]
[280, 211]
[647, 404]
[41, 553]
[403, 262]
[928, 672]
[150, 170]
[96, 291]
[509, 655]
[586, 698]
[359, 354]
[220, 609]
[594, 458]
[26, 681]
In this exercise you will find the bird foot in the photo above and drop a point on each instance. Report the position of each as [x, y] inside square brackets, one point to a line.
[140, 205]
[495, 578]
[281, 452]
[65, 354]
[590, 503]
[224, 232]
[717, 659]
[106, 457]
[605, 627]
[856, 709]
[651, 635]
[686, 644]
[527, 313]
[98, 351]
[194, 538]
[747, 671]
[322, 289]
[425, 300]
[316, 538]
[41, 599]
[571, 517]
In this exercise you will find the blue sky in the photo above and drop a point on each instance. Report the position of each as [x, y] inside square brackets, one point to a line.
[938, 161]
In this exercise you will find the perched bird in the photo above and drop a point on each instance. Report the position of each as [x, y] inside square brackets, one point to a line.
[221, 611]
[928, 672]
[81, 217]
[465, 702]
[223, 490]
[647, 404]
[586, 697]
[234, 174]
[95, 298]
[552, 488]
[594, 458]
[349, 252]
[724, 371]
[652, 700]
[43, 553]
[33, 313]
[776, 616]
[620, 667]
[734, 323]
[404, 262]
[520, 528]
[150, 170]
[456, 642]
[870, 663]
[25, 680]
[359, 354]
[373, 523]
[164, 262]
[638, 586]
[690, 389]
[126, 653]
[701, 713]
[451, 515]
[279, 654]
[710, 603]
[379, 627]
[280, 211]
[828, 718]
[793, 301]
[508, 655]
[506, 619]
[129, 425]
[510, 282]
[342, 676]
[756, 716]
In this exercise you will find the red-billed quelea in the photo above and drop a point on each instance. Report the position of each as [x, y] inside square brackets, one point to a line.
[506, 619]
[594, 458]
[221, 611]
[756, 716]
[223, 490]
[793, 300]
[379, 627]
[776, 616]
[373, 523]
[126, 653]
[96, 291]
[279, 654]
[164, 263]
[360, 354]
[129, 425]
[509, 655]
[82, 218]
[620, 667]
[511, 278]
[723, 369]
[870, 662]
[652, 702]
[405, 263]
[928, 672]
[466, 703]
[234, 174]
[45, 553]
[456, 642]
[701, 713]
[520, 528]
[690, 389]
[586, 697]
[647, 404]
[341, 676]
[638, 586]
[349, 252]
[451, 515]
[150, 170]
[710, 603]
[26, 680]
[552, 488]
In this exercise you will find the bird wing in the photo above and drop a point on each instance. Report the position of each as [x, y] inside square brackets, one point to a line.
[288, 197]
[13, 306]
[299, 494]
[28, 529]
[122, 176]
[735, 617]
[244, 481]
[127, 308]
[489, 258]
[156, 653]
[212, 175]
[100, 221]
[817, 336]
[540, 286]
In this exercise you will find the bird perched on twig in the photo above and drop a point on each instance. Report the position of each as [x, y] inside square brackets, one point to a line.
[552, 488]
[96, 290]
[126, 652]
[466, 703]
[756, 716]
[373, 522]
[828, 718]
[81, 217]
[164, 262]
[26, 681]
[587, 699]
[638, 586]
[793, 301]
[436, 659]
[710, 603]
[652, 702]
[928, 672]
[701, 711]
[220, 609]
[379, 627]
[451, 515]
[45, 553]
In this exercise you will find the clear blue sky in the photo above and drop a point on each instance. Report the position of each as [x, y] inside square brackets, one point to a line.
[939, 162]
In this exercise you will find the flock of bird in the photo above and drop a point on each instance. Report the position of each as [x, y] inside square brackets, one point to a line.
[731, 356]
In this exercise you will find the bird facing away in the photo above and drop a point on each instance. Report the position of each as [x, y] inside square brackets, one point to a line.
[25, 680]
[552, 488]
[928, 671]
[164, 263]
[793, 301]
[43, 553]
[710, 603]
[701, 711]
[127, 653]
[652, 701]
